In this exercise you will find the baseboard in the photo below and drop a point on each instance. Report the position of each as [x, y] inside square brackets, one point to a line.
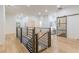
[73, 38]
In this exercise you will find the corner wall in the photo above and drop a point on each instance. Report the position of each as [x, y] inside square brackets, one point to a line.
[10, 24]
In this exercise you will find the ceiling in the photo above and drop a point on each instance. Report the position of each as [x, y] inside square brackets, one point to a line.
[33, 9]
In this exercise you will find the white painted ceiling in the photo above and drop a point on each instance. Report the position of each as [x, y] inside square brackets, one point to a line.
[32, 9]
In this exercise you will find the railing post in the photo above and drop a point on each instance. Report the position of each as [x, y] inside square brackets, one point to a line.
[33, 41]
[40, 29]
[36, 43]
[49, 37]
[16, 31]
[27, 30]
[21, 35]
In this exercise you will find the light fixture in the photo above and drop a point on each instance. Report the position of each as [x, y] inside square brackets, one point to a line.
[59, 6]
[46, 10]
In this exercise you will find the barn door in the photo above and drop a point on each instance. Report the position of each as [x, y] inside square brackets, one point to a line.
[62, 26]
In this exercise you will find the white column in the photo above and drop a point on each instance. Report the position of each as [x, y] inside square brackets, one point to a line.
[2, 24]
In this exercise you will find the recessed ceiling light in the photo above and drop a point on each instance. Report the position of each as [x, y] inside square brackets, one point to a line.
[39, 13]
[46, 10]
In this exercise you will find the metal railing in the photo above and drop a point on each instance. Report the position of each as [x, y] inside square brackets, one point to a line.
[31, 39]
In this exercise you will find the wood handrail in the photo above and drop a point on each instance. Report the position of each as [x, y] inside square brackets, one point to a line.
[39, 27]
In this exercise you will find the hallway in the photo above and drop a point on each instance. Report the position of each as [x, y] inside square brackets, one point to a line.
[59, 44]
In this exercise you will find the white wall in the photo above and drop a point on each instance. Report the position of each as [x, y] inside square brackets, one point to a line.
[73, 27]
[10, 24]
[2, 24]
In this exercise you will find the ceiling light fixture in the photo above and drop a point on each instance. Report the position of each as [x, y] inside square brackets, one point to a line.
[59, 7]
